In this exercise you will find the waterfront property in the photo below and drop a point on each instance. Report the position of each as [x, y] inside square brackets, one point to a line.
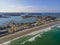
[16, 23]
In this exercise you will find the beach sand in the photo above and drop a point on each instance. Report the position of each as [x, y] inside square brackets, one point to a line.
[26, 31]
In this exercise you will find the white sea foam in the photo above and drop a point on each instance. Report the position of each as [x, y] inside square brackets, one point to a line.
[58, 26]
[6, 43]
[32, 33]
[39, 32]
[33, 38]
[39, 35]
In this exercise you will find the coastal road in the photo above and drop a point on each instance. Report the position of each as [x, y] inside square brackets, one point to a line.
[26, 31]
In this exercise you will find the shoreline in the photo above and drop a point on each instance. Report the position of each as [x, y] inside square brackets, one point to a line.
[32, 33]
[26, 31]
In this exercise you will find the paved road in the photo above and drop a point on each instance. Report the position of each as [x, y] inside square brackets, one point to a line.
[24, 32]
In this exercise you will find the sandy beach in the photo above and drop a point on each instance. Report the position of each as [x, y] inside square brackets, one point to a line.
[26, 31]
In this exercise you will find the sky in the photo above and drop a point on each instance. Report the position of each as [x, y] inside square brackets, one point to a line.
[29, 5]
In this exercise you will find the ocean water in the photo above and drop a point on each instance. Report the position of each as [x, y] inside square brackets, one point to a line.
[51, 37]
[18, 19]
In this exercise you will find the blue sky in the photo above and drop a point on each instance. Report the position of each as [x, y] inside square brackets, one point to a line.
[29, 5]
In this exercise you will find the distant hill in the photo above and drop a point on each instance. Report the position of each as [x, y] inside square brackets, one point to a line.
[41, 14]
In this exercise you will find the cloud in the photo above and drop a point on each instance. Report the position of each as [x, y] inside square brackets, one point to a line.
[13, 8]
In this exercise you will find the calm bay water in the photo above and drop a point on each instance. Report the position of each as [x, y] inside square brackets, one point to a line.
[20, 19]
[17, 19]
